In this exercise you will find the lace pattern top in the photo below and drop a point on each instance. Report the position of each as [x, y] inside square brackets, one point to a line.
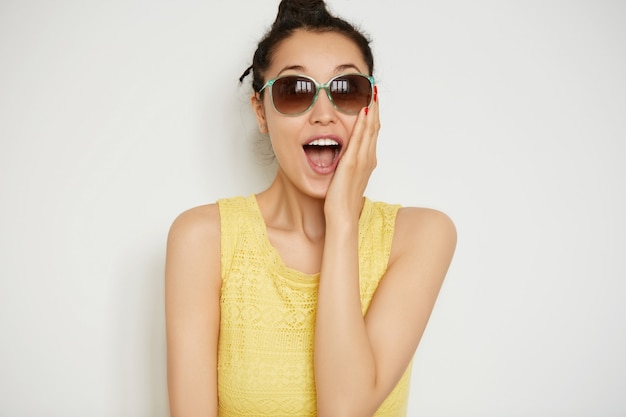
[265, 351]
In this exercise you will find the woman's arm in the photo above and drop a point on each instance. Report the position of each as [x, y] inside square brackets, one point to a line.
[192, 289]
[358, 361]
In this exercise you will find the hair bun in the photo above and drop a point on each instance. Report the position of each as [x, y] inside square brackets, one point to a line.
[311, 15]
[312, 11]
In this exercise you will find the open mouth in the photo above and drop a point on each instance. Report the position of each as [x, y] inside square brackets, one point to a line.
[322, 152]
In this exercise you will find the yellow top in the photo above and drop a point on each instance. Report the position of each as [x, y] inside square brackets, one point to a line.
[265, 352]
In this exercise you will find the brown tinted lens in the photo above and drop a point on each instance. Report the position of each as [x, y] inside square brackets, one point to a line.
[293, 94]
[351, 93]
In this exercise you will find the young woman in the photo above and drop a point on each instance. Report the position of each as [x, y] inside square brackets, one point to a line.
[307, 298]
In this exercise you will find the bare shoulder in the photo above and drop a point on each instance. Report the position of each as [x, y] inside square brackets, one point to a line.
[200, 225]
[193, 246]
[423, 231]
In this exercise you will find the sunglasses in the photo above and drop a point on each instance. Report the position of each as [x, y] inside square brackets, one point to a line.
[293, 95]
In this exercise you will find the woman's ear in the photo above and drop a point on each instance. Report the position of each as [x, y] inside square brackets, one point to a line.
[259, 112]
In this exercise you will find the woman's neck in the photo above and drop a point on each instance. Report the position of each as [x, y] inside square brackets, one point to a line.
[284, 207]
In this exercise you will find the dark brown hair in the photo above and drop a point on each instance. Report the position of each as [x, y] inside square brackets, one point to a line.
[311, 15]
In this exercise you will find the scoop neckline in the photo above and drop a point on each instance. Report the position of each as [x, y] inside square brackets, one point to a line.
[285, 271]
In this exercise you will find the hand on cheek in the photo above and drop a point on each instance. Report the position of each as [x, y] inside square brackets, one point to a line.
[345, 195]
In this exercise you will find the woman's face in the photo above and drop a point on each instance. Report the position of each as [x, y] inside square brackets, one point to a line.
[320, 56]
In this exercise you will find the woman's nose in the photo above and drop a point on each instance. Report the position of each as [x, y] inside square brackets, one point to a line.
[323, 110]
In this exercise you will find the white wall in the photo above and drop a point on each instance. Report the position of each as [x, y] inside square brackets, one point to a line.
[510, 116]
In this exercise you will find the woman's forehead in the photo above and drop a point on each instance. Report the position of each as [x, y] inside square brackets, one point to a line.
[317, 52]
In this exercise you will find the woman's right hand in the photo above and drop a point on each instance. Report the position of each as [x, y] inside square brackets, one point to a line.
[344, 199]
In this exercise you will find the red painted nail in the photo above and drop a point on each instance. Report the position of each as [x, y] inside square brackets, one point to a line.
[366, 110]
[375, 93]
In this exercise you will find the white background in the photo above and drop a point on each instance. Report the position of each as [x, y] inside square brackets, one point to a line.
[510, 116]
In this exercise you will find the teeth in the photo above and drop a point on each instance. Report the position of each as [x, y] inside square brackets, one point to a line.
[323, 142]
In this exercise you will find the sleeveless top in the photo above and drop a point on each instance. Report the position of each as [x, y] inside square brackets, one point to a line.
[265, 348]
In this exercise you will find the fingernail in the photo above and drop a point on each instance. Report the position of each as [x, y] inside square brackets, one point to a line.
[366, 110]
[375, 93]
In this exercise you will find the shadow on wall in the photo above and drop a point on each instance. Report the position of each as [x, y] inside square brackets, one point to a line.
[249, 152]
[140, 346]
